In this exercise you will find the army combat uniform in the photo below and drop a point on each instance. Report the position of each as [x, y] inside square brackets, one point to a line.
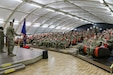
[10, 36]
[1, 40]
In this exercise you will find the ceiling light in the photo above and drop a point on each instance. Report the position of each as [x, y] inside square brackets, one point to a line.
[69, 16]
[58, 27]
[85, 21]
[93, 26]
[61, 13]
[81, 19]
[67, 28]
[38, 6]
[36, 25]
[19, 0]
[101, 1]
[52, 26]
[76, 18]
[28, 23]
[108, 8]
[90, 27]
[75, 29]
[1, 20]
[71, 28]
[45, 26]
[100, 29]
[50, 10]
[16, 22]
[64, 28]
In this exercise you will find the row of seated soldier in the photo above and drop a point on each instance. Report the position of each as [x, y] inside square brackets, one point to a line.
[87, 41]
[56, 40]
[97, 45]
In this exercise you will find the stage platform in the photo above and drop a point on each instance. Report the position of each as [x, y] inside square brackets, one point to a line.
[25, 56]
[9, 64]
[103, 63]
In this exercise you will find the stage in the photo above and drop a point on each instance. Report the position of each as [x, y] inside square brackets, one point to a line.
[23, 57]
[26, 56]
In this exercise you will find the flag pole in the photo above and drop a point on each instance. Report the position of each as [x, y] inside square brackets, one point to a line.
[23, 31]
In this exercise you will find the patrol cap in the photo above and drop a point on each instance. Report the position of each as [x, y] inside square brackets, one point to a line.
[11, 23]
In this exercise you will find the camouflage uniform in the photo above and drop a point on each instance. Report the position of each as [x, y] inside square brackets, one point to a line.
[1, 40]
[95, 43]
[10, 36]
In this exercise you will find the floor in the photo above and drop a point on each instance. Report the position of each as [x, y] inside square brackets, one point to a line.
[61, 64]
[22, 54]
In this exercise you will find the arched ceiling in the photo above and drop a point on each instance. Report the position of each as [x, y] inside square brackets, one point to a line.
[54, 15]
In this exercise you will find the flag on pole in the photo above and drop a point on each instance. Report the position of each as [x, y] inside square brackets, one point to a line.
[23, 31]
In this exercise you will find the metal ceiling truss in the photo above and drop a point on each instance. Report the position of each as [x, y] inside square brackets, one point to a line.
[26, 17]
[60, 11]
[60, 24]
[85, 10]
[12, 13]
[51, 24]
[46, 22]
[38, 19]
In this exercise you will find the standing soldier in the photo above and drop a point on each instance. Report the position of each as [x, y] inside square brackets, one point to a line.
[1, 40]
[10, 36]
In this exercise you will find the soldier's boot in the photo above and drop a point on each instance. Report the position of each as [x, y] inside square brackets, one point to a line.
[10, 51]
[1, 50]
[11, 54]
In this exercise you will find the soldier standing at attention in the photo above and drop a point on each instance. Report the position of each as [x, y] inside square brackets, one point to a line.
[1, 40]
[10, 36]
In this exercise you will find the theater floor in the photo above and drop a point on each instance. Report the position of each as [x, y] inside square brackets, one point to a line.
[61, 64]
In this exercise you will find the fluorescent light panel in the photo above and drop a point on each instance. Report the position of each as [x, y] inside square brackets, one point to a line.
[45, 26]
[76, 18]
[50, 10]
[58, 27]
[61, 13]
[1, 20]
[38, 6]
[101, 1]
[36, 25]
[52, 26]
[108, 8]
[64, 28]
[67, 28]
[100, 29]
[69, 16]
[16, 22]
[28, 23]
[19, 0]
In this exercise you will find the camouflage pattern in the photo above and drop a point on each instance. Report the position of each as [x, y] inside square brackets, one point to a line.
[10, 33]
[1, 40]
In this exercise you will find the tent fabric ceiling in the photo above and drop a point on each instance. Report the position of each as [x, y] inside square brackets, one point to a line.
[54, 15]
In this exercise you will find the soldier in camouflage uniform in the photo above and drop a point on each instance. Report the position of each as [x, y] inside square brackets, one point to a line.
[95, 43]
[1, 39]
[10, 36]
